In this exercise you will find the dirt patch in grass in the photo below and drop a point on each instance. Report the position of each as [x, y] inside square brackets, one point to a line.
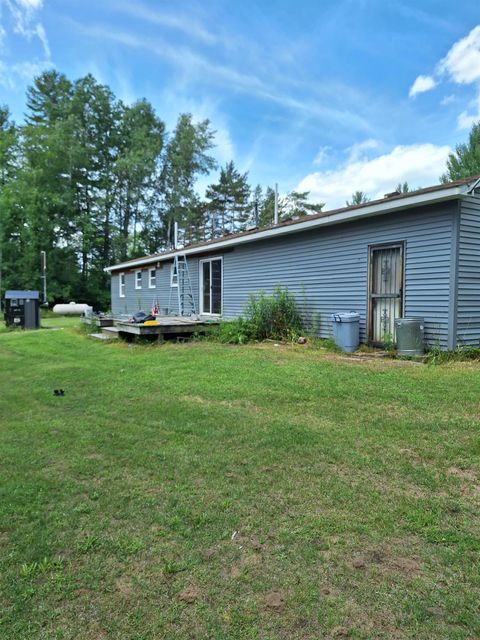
[386, 557]
[274, 601]
[189, 594]
[470, 484]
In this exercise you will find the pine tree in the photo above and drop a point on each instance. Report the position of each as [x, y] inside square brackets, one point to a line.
[186, 157]
[465, 162]
[229, 199]
[141, 138]
[359, 197]
[296, 205]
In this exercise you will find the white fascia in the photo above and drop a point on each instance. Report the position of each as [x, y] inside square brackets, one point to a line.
[388, 206]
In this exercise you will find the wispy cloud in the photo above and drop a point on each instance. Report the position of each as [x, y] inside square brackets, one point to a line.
[25, 23]
[418, 164]
[358, 151]
[179, 22]
[198, 68]
[447, 100]
[322, 155]
[42, 36]
[25, 71]
[422, 84]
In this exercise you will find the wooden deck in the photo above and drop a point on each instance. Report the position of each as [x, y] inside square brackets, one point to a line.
[167, 326]
[103, 321]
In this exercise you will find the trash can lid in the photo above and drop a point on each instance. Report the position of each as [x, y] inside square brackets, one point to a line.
[409, 320]
[346, 316]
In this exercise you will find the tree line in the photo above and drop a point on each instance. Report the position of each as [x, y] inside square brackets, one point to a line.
[93, 181]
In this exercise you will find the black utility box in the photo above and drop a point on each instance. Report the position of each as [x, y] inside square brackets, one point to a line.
[22, 309]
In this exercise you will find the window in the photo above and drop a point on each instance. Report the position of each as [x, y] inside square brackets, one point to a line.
[211, 277]
[121, 285]
[152, 278]
[138, 279]
[173, 276]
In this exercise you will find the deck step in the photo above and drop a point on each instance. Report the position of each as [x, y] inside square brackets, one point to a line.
[101, 336]
[110, 332]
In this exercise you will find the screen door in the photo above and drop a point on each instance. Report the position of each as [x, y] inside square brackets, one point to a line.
[386, 291]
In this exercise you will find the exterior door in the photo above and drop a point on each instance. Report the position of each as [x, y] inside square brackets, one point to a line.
[385, 291]
[211, 277]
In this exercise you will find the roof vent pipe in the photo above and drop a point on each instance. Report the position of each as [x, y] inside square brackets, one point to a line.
[275, 211]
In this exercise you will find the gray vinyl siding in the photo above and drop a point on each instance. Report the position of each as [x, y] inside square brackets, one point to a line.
[143, 299]
[327, 270]
[468, 288]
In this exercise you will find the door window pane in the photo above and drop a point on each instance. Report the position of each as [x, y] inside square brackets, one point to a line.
[206, 287]
[216, 286]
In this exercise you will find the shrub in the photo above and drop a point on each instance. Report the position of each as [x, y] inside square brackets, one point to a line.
[276, 316]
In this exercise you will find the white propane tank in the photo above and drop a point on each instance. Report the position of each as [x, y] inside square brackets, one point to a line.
[72, 309]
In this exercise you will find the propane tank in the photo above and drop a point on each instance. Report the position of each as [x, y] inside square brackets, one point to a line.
[72, 309]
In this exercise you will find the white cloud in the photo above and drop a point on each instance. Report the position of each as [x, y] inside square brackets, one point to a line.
[357, 150]
[422, 84]
[462, 62]
[461, 65]
[417, 164]
[465, 120]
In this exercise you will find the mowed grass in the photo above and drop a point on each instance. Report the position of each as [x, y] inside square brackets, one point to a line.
[207, 491]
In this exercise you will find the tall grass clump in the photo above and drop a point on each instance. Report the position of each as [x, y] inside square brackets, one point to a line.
[273, 316]
[435, 355]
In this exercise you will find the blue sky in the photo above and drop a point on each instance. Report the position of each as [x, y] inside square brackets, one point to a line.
[323, 96]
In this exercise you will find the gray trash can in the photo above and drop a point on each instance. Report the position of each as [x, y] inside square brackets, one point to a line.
[346, 330]
[409, 334]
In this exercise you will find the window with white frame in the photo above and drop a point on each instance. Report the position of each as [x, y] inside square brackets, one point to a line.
[152, 278]
[121, 285]
[138, 279]
[173, 275]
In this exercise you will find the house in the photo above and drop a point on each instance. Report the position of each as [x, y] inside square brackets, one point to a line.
[414, 254]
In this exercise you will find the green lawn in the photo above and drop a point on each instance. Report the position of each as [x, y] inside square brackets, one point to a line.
[199, 491]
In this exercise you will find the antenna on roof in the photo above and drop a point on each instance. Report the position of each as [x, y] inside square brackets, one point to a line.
[175, 235]
[275, 211]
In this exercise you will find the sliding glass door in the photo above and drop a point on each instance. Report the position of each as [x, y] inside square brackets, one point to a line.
[211, 275]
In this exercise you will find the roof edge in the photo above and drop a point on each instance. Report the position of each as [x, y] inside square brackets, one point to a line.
[347, 214]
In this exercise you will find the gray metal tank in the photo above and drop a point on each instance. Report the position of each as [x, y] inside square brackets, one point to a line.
[410, 337]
